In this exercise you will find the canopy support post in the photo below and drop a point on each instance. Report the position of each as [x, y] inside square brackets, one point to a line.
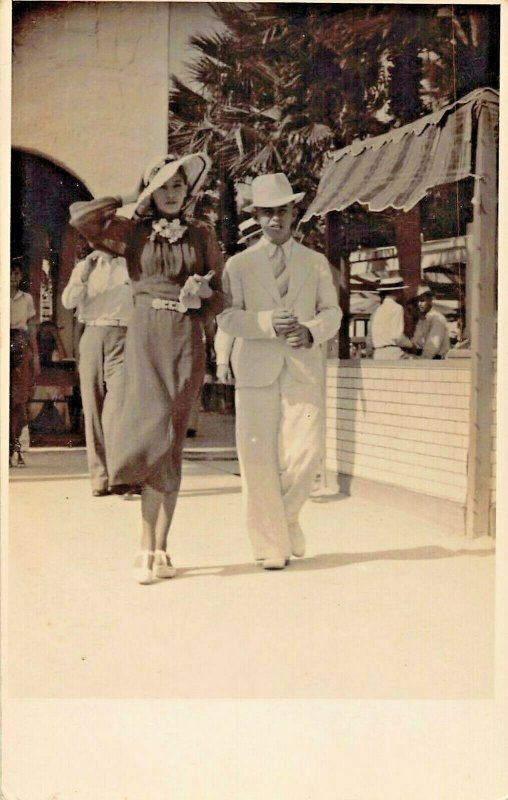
[334, 250]
[481, 326]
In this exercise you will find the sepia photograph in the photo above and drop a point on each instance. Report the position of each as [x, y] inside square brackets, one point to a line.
[252, 371]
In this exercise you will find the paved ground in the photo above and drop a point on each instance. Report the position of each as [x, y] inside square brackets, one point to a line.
[382, 607]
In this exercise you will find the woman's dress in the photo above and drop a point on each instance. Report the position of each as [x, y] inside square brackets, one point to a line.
[164, 352]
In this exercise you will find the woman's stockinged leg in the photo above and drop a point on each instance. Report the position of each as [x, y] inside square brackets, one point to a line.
[166, 511]
[157, 509]
[151, 502]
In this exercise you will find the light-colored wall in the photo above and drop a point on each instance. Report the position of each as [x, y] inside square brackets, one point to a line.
[402, 425]
[89, 88]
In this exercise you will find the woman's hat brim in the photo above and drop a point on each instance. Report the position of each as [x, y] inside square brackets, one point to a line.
[278, 201]
[196, 167]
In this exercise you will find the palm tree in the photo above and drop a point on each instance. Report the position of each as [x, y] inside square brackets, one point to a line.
[282, 84]
[262, 101]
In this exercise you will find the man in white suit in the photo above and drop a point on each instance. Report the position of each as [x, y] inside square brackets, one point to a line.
[283, 308]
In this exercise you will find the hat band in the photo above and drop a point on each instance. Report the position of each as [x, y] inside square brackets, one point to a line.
[169, 160]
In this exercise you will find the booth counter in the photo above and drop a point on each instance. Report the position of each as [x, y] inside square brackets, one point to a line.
[406, 425]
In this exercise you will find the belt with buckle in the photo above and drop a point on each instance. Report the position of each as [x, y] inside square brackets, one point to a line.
[158, 303]
[106, 323]
[167, 305]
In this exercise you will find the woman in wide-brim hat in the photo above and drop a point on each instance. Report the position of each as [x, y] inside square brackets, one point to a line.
[170, 258]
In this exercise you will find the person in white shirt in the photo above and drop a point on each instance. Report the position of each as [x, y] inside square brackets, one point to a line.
[386, 332]
[251, 233]
[99, 289]
[283, 307]
[431, 337]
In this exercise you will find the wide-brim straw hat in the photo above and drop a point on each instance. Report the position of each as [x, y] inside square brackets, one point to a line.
[271, 191]
[392, 284]
[196, 167]
[248, 228]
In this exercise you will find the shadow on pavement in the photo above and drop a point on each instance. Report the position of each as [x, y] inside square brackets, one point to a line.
[336, 560]
[210, 491]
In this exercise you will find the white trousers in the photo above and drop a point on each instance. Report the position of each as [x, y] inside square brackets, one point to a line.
[278, 436]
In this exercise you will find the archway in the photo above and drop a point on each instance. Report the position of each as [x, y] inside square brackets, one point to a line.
[41, 192]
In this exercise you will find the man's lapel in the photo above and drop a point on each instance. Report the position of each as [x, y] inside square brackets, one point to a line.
[262, 270]
[298, 274]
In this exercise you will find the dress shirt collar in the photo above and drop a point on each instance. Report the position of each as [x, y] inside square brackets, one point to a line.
[18, 295]
[271, 248]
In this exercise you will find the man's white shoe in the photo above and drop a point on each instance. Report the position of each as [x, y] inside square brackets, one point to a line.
[297, 540]
[274, 563]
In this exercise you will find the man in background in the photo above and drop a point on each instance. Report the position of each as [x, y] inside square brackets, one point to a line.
[386, 336]
[431, 337]
[99, 289]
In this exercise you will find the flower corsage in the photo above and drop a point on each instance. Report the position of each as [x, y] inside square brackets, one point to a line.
[164, 229]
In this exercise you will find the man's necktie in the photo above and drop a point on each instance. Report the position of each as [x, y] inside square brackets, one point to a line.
[280, 271]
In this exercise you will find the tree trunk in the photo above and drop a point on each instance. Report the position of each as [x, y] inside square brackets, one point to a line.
[228, 223]
[339, 259]
[406, 105]
[409, 249]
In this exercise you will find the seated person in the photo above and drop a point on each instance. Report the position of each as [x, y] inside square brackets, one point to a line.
[431, 337]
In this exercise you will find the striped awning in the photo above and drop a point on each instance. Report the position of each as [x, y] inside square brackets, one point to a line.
[398, 168]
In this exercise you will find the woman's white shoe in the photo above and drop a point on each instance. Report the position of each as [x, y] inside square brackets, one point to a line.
[162, 566]
[143, 567]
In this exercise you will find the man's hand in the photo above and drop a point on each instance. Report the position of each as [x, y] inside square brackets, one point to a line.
[284, 322]
[225, 374]
[300, 337]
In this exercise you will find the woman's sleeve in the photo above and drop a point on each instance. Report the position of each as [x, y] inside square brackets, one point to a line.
[214, 261]
[97, 221]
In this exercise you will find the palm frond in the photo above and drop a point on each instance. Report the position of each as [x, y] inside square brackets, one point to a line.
[214, 45]
[239, 18]
[184, 102]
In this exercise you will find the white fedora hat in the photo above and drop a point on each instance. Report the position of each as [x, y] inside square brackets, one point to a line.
[196, 167]
[391, 284]
[270, 191]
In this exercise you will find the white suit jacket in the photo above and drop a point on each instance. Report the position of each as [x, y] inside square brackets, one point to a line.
[258, 353]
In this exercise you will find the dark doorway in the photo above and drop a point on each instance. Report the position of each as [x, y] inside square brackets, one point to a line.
[41, 192]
